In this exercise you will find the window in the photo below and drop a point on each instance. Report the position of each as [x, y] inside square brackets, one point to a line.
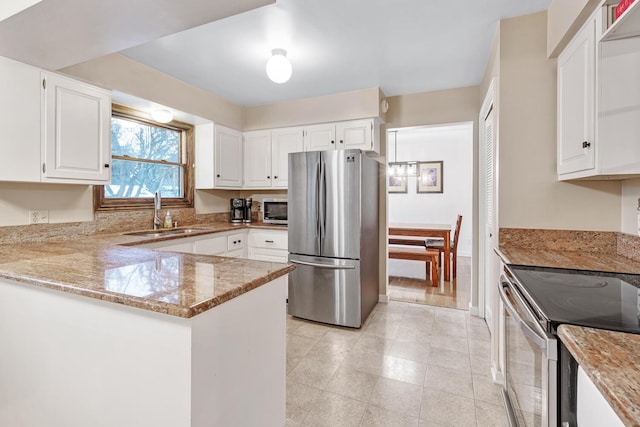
[147, 157]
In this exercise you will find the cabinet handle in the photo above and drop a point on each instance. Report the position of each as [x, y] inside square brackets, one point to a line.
[44, 168]
[275, 177]
[333, 142]
[234, 242]
[268, 241]
[341, 142]
[586, 144]
[268, 177]
[44, 83]
[106, 165]
[239, 241]
[218, 176]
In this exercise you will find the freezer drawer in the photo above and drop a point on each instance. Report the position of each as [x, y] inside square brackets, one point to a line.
[325, 290]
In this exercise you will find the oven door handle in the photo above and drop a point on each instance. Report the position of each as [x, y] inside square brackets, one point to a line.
[540, 341]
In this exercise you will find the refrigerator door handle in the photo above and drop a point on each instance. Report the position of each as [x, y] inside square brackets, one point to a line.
[318, 173]
[323, 199]
[328, 266]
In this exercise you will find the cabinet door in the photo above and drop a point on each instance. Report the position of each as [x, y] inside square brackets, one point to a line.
[355, 134]
[20, 122]
[283, 142]
[228, 157]
[320, 137]
[257, 159]
[205, 175]
[576, 92]
[76, 131]
[210, 246]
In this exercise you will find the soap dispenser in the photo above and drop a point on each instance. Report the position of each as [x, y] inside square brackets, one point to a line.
[167, 220]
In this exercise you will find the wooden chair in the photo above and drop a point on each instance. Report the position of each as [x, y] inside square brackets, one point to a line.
[438, 244]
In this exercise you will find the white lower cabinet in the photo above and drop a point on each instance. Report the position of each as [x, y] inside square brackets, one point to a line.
[592, 408]
[210, 246]
[229, 244]
[268, 245]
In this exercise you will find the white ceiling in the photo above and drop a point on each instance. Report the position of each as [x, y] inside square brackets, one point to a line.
[53, 34]
[401, 46]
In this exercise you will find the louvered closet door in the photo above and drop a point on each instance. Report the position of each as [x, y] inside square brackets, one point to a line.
[490, 212]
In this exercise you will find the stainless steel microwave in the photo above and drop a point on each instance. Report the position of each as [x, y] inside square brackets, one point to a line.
[274, 211]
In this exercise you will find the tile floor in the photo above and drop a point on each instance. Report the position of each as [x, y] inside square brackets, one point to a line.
[454, 294]
[409, 365]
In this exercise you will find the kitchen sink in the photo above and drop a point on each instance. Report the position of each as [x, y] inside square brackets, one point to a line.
[165, 232]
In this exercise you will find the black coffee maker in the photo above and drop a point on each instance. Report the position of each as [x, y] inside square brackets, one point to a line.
[237, 210]
[247, 210]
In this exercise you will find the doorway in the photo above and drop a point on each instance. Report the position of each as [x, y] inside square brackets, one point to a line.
[410, 201]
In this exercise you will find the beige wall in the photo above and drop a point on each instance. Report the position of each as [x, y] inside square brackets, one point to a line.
[630, 196]
[65, 203]
[357, 104]
[530, 195]
[117, 72]
[565, 17]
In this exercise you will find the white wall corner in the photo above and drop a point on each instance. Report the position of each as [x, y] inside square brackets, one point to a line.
[384, 298]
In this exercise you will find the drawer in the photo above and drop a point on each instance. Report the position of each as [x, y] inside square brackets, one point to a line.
[273, 255]
[235, 241]
[269, 239]
[211, 246]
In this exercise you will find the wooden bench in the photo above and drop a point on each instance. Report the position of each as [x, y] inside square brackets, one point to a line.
[429, 256]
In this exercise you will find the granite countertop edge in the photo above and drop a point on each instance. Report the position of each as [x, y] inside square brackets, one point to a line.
[607, 357]
[125, 240]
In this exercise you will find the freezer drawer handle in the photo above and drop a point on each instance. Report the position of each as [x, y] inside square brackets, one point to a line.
[331, 267]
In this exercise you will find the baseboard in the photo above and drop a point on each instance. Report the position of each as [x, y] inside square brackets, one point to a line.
[496, 375]
[383, 298]
[473, 310]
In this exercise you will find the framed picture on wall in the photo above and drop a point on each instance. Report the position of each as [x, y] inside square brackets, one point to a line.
[430, 177]
[397, 184]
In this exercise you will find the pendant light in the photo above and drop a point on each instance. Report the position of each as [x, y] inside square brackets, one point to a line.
[278, 66]
[401, 169]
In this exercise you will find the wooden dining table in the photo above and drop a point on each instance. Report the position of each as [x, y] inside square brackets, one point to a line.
[424, 231]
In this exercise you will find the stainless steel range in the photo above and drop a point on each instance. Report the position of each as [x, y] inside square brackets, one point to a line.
[540, 374]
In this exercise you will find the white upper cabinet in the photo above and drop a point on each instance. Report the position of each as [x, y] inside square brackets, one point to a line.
[576, 99]
[599, 101]
[20, 122]
[353, 134]
[356, 134]
[320, 137]
[257, 159]
[218, 157]
[266, 156]
[228, 158]
[55, 129]
[283, 142]
[76, 143]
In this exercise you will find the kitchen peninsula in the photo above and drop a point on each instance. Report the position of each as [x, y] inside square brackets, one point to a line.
[97, 332]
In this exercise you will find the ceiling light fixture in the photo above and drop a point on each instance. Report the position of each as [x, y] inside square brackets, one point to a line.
[278, 66]
[401, 169]
[162, 116]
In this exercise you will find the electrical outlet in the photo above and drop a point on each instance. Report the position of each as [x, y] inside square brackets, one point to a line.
[39, 217]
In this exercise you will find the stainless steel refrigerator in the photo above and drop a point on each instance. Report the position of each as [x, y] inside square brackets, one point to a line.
[333, 236]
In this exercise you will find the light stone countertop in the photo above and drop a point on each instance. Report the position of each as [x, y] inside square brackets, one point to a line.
[110, 267]
[610, 359]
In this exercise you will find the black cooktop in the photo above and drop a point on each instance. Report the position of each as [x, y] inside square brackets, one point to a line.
[585, 298]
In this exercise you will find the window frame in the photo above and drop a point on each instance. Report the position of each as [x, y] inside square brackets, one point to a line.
[101, 203]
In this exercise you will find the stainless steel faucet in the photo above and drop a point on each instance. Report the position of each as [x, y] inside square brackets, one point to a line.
[157, 205]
